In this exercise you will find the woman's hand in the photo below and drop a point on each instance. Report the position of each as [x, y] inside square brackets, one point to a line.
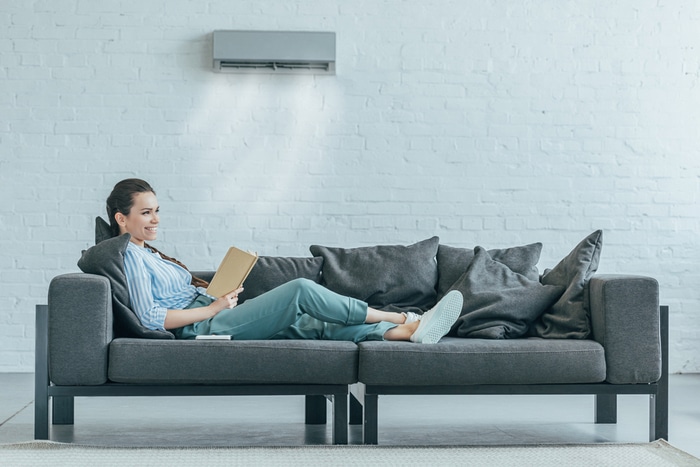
[226, 302]
[178, 318]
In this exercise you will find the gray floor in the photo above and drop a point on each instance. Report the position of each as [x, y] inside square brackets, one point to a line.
[404, 420]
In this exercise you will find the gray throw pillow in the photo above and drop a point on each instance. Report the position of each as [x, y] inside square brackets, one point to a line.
[393, 276]
[499, 303]
[272, 271]
[453, 262]
[102, 230]
[107, 259]
[569, 317]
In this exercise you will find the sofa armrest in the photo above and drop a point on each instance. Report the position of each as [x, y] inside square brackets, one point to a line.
[626, 321]
[80, 329]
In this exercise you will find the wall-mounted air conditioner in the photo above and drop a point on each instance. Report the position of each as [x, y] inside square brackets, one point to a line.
[274, 52]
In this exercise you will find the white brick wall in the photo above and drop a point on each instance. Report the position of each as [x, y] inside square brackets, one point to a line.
[484, 122]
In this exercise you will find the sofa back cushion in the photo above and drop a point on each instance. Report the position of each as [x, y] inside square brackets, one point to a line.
[569, 317]
[453, 262]
[384, 276]
[499, 303]
[272, 271]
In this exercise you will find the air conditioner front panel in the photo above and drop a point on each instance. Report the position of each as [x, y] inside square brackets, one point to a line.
[274, 51]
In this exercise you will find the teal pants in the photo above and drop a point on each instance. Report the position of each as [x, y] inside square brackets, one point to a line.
[299, 309]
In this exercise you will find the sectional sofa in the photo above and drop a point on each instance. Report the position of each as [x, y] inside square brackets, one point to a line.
[522, 331]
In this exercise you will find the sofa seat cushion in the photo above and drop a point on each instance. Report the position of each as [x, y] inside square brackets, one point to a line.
[456, 361]
[148, 361]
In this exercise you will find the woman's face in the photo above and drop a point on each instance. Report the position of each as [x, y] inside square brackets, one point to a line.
[142, 221]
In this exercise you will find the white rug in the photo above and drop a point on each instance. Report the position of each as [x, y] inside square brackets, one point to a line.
[658, 453]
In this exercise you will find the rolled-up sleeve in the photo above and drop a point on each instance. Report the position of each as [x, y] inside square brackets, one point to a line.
[141, 299]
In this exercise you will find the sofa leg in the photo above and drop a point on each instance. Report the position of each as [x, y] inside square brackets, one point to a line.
[63, 410]
[41, 374]
[658, 418]
[340, 418]
[355, 411]
[606, 408]
[41, 414]
[658, 404]
[370, 429]
[315, 410]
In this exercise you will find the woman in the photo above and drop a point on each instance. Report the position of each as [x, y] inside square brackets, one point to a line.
[164, 295]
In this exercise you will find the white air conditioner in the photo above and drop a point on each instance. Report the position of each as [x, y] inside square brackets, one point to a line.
[274, 52]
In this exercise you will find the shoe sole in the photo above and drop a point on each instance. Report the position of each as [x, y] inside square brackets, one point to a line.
[442, 320]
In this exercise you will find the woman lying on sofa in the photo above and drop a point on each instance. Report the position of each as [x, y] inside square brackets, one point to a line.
[164, 296]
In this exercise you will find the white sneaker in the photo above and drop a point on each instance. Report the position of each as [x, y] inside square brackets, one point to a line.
[438, 321]
[411, 317]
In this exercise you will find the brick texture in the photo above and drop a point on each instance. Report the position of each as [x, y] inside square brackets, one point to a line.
[488, 123]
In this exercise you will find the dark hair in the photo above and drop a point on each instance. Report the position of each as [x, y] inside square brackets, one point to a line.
[122, 199]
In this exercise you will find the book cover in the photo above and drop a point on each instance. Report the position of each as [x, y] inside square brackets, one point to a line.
[232, 272]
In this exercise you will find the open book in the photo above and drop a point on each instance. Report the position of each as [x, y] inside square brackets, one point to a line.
[233, 270]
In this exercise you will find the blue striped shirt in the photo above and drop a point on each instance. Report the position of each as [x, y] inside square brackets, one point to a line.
[155, 285]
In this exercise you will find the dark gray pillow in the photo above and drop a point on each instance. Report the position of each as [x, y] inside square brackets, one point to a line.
[499, 303]
[272, 271]
[107, 259]
[102, 230]
[453, 262]
[569, 317]
[384, 275]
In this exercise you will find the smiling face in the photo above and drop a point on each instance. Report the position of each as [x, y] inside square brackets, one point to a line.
[142, 220]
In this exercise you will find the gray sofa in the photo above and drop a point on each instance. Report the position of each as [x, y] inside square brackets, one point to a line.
[85, 349]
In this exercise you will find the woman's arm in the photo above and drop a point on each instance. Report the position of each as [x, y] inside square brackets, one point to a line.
[178, 318]
[140, 286]
[153, 316]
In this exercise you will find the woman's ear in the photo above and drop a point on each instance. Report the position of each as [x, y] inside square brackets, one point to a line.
[120, 218]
